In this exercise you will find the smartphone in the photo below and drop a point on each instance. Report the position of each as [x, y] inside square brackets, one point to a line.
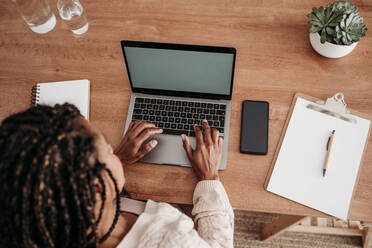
[254, 129]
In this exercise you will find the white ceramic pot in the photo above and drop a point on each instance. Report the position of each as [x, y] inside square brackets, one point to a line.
[330, 50]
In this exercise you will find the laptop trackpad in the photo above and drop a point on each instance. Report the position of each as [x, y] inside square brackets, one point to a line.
[169, 150]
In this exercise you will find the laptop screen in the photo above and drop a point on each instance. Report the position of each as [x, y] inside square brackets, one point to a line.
[189, 70]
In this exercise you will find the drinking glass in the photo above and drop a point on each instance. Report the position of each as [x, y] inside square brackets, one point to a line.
[74, 15]
[37, 14]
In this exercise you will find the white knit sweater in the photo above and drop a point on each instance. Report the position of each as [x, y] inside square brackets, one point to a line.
[162, 225]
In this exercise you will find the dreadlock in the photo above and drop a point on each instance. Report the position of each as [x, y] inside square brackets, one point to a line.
[48, 167]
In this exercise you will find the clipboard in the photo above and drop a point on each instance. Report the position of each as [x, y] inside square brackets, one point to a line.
[335, 107]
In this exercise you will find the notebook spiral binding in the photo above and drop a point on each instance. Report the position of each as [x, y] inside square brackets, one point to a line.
[35, 95]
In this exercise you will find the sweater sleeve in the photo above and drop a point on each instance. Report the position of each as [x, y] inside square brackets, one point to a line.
[214, 217]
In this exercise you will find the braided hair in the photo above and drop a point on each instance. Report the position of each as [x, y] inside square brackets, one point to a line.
[48, 167]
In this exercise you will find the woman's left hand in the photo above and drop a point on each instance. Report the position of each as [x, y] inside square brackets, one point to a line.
[131, 147]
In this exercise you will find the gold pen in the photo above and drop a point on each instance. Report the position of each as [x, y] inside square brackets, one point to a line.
[329, 146]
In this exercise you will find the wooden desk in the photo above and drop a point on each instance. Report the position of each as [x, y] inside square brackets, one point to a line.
[274, 60]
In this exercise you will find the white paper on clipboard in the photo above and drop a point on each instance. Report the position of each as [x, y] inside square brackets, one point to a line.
[297, 174]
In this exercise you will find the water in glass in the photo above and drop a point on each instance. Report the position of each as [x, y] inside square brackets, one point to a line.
[73, 13]
[37, 14]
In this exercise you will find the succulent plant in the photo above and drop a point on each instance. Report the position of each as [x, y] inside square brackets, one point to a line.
[344, 6]
[338, 23]
[350, 30]
[324, 21]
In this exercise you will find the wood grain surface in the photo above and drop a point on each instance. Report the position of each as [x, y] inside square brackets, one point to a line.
[274, 61]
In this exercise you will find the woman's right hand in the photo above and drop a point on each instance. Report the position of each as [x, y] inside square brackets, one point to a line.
[132, 147]
[206, 158]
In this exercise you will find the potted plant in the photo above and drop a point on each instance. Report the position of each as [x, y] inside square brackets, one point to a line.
[336, 29]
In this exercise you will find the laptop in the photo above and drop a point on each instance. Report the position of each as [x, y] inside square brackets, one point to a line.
[176, 86]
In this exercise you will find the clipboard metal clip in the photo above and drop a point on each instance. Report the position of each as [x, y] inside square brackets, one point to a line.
[334, 106]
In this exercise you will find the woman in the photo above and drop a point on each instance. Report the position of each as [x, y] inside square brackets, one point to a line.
[59, 181]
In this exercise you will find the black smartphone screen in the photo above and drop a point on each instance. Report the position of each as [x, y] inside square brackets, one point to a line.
[254, 129]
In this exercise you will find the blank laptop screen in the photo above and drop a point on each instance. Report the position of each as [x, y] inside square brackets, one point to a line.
[178, 70]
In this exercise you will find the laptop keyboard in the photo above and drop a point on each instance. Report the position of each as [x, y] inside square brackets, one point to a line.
[178, 117]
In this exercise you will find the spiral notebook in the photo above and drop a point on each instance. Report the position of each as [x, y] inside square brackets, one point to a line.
[297, 167]
[75, 92]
